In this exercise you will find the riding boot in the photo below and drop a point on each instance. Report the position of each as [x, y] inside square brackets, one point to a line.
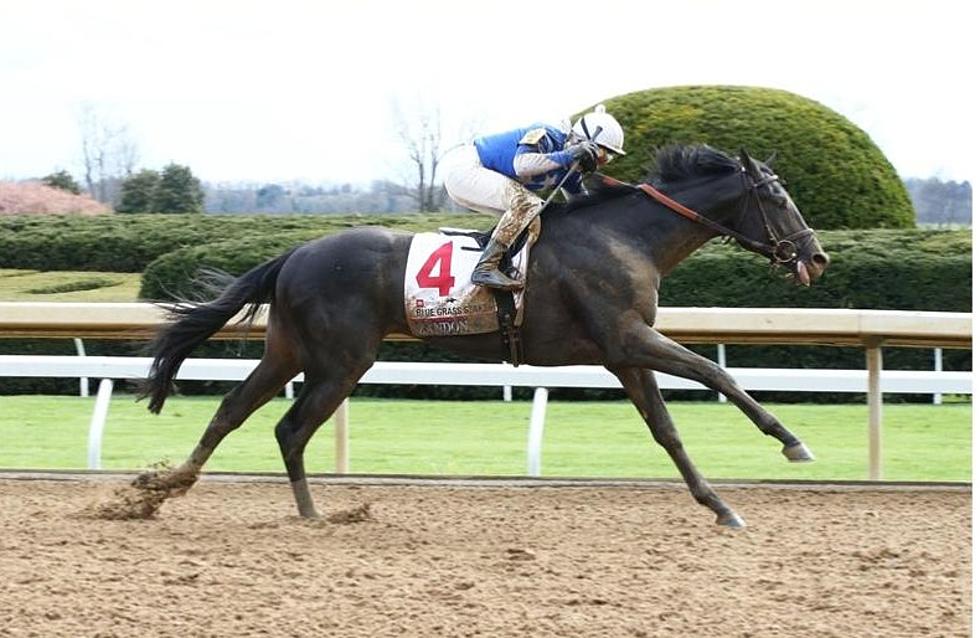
[524, 207]
[487, 271]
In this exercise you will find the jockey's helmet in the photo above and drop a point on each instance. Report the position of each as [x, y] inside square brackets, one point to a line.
[610, 135]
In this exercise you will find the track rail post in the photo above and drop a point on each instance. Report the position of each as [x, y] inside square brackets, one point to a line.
[535, 431]
[97, 425]
[341, 443]
[875, 446]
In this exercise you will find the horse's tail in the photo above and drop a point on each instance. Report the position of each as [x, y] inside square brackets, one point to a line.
[196, 323]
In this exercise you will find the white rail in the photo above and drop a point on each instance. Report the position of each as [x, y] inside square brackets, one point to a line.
[869, 329]
[813, 326]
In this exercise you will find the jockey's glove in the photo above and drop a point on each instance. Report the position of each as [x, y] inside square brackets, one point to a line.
[586, 154]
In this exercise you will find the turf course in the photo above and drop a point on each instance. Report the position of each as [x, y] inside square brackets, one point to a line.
[31, 285]
[594, 439]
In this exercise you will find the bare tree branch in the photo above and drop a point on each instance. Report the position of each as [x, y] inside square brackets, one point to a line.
[108, 152]
[422, 134]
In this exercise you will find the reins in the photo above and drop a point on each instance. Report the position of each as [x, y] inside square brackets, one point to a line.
[780, 250]
[694, 216]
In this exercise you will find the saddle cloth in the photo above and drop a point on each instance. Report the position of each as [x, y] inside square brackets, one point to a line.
[440, 301]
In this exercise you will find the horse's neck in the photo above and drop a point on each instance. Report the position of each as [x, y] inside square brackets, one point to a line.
[680, 238]
[670, 237]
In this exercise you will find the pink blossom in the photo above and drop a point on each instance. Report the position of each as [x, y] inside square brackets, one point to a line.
[34, 197]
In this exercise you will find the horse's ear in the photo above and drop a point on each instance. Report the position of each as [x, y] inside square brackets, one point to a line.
[748, 163]
[770, 159]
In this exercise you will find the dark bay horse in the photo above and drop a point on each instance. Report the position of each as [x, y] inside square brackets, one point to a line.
[591, 299]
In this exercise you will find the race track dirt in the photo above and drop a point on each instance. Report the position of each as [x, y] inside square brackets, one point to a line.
[232, 559]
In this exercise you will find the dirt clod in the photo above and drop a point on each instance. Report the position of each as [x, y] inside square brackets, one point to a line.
[359, 514]
[144, 496]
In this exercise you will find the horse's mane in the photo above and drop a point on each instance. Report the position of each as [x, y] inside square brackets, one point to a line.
[676, 163]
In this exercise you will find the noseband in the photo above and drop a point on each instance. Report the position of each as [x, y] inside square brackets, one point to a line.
[780, 250]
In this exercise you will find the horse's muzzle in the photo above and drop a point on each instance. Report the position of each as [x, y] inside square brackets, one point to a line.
[808, 269]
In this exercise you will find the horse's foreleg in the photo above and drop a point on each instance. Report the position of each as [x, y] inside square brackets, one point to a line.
[647, 348]
[641, 387]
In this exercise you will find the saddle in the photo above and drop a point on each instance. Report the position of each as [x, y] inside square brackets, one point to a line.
[440, 300]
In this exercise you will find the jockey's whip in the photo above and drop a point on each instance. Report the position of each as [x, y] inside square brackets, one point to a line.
[571, 169]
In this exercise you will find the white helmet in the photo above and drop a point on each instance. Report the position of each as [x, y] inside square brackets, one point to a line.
[610, 133]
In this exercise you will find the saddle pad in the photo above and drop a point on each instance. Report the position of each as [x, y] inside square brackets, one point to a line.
[440, 301]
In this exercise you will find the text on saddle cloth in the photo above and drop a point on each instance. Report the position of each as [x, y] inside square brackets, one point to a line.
[440, 300]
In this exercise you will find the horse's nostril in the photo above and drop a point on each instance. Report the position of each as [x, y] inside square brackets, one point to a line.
[820, 259]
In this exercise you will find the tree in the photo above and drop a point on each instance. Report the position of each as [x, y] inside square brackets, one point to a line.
[423, 134]
[108, 152]
[269, 198]
[138, 192]
[941, 202]
[421, 137]
[62, 180]
[34, 197]
[178, 191]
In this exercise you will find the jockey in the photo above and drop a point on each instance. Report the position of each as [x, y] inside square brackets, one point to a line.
[501, 173]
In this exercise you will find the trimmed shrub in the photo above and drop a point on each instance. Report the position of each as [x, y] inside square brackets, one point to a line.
[883, 269]
[128, 243]
[171, 276]
[836, 174]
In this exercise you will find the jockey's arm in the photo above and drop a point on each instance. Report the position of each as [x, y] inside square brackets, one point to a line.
[532, 160]
[529, 161]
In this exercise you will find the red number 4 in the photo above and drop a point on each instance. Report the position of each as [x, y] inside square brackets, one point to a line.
[442, 258]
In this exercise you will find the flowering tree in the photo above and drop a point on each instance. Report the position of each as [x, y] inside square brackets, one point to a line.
[34, 197]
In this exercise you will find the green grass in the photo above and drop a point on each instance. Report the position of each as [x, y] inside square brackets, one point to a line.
[32, 285]
[922, 442]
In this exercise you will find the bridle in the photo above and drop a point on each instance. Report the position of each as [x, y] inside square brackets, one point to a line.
[780, 250]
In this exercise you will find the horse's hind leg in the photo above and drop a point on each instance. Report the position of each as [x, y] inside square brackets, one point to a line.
[276, 368]
[650, 349]
[641, 387]
[323, 391]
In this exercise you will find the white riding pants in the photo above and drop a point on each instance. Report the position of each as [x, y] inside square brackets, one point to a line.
[478, 188]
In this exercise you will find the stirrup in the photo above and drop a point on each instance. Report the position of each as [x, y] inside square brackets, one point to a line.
[495, 279]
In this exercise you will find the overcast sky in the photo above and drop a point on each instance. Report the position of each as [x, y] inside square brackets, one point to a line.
[269, 91]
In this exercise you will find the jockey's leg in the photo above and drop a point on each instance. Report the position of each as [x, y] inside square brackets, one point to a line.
[472, 185]
[524, 207]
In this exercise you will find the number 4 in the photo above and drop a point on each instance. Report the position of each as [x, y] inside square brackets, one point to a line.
[444, 281]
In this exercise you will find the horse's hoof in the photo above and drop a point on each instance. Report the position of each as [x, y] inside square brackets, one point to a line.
[730, 519]
[798, 453]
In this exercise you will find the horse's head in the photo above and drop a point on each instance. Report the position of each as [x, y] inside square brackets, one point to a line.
[771, 224]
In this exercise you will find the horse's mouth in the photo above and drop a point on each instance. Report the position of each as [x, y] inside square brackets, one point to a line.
[802, 274]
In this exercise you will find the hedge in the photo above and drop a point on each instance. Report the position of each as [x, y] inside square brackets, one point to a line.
[128, 243]
[834, 171]
[884, 269]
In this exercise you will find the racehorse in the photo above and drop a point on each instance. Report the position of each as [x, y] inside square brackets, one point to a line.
[592, 295]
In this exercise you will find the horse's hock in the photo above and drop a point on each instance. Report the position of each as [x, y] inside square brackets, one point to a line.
[232, 559]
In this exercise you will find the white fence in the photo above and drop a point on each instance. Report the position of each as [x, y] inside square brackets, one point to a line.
[471, 374]
[868, 329]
